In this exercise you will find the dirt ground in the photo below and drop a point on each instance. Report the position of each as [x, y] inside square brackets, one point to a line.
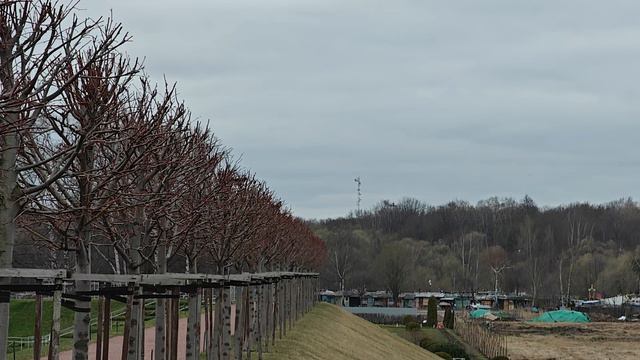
[597, 340]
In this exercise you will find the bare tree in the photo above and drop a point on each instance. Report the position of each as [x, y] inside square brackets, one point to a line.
[39, 40]
[577, 231]
[496, 258]
[529, 240]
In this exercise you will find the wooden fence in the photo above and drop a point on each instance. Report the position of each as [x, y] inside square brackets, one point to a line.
[266, 307]
[477, 334]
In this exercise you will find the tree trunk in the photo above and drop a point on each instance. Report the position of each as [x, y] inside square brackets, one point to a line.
[8, 211]
[81, 320]
[161, 333]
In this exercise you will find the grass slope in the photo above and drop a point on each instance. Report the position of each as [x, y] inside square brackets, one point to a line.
[328, 332]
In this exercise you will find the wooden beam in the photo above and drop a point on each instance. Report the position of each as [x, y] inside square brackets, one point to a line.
[32, 273]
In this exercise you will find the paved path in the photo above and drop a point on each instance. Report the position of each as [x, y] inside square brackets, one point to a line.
[115, 344]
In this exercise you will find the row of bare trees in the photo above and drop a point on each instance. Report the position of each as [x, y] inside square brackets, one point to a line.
[95, 156]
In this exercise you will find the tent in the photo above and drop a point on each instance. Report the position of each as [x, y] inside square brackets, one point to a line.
[568, 316]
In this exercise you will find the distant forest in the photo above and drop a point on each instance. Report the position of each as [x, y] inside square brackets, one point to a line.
[516, 246]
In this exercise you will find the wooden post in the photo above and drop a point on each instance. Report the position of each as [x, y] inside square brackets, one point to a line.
[37, 331]
[54, 341]
[168, 327]
[205, 298]
[160, 330]
[239, 325]
[210, 316]
[226, 323]
[251, 320]
[259, 315]
[274, 322]
[217, 326]
[192, 352]
[175, 317]
[285, 305]
[106, 323]
[141, 329]
[99, 328]
[268, 315]
[281, 312]
[127, 328]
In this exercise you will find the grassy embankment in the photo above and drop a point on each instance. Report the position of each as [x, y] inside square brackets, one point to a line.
[328, 332]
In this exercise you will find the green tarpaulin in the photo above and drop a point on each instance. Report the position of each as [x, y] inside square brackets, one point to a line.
[478, 314]
[490, 315]
[568, 316]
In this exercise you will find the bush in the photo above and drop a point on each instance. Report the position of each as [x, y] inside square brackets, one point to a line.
[444, 355]
[412, 326]
[426, 341]
[500, 358]
[450, 348]
[408, 319]
[432, 312]
[447, 318]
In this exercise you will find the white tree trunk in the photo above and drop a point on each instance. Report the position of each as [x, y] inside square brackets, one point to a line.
[81, 320]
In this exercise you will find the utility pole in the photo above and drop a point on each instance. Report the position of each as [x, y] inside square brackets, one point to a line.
[359, 199]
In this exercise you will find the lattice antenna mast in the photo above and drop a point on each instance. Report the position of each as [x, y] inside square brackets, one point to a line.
[357, 180]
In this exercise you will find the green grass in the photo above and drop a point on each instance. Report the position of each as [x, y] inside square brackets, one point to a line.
[22, 318]
[433, 334]
[328, 332]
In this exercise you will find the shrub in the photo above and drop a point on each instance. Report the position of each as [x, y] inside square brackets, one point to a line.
[426, 341]
[432, 312]
[450, 348]
[408, 319]
[444, 355]
[447, 317]
[412, 326]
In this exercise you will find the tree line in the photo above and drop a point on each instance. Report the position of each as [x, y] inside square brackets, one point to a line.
[108, 172]
[512, 245]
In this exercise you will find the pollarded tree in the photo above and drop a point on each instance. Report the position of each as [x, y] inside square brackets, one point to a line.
[39, 39]
[88, 118]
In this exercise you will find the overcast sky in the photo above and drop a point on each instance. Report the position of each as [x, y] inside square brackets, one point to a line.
[437, 100]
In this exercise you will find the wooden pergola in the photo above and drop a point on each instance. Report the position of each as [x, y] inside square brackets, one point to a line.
[267, 305]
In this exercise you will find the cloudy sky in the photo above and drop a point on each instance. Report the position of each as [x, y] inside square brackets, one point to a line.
[437, 100]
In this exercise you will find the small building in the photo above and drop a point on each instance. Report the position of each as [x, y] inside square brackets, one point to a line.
[505, 301]
[422, 298]
[351, 298]
[407, 300]
[330, 297]
[377, 299]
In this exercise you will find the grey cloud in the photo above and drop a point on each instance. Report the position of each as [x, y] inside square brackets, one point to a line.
[432, 99]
